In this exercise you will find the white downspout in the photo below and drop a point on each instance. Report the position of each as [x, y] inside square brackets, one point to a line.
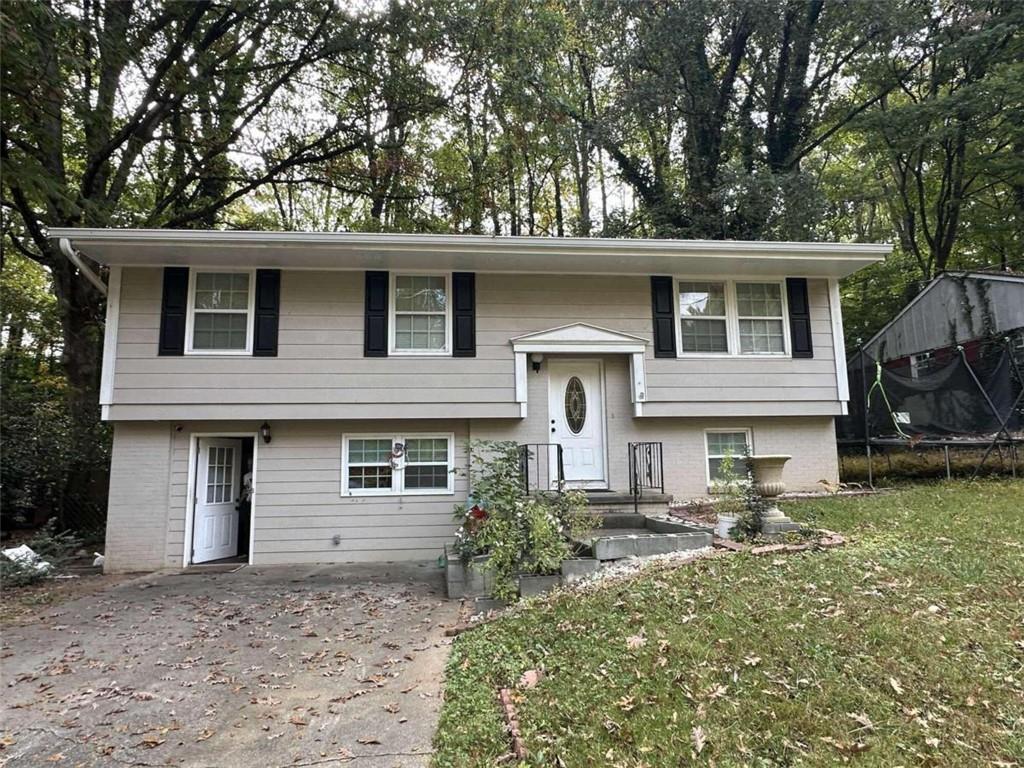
[75, 258]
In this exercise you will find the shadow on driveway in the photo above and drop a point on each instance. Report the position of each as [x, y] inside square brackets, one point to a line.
[282, 666]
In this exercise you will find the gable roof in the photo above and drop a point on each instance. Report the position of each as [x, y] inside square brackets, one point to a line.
[565, 255]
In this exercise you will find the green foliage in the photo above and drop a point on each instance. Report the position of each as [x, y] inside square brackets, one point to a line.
[897, 649]
[522, 533]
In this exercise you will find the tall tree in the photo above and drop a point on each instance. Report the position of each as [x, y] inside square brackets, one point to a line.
[163, 114]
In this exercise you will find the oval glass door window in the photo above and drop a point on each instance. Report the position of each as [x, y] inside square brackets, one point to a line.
[575, 405]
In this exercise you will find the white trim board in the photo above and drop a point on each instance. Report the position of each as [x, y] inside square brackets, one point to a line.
[838, 345]
[110, 338]
[582, 338]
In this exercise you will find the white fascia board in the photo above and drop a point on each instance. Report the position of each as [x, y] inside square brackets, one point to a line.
[569, 255]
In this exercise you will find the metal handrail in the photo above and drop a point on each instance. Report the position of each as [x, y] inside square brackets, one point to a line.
[646, 470]
[540, 457]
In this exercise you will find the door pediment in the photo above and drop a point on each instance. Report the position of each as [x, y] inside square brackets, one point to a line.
[580, 337]
[583, 338]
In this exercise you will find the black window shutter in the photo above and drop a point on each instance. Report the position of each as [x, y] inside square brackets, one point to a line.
[464, 314]
[799, 317]
[268, 310]
[173, 308]
[664, 316]
[375, 326]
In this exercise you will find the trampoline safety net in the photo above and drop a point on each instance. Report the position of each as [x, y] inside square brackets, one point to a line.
[958, 399]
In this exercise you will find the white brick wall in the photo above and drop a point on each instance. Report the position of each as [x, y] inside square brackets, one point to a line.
[137, 504]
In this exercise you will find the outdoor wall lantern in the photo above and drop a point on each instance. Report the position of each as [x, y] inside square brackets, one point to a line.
[536, 359]
[265, 432]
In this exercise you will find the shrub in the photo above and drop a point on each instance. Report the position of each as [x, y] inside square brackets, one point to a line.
[521, 532]
[740, 498]
[56, 548]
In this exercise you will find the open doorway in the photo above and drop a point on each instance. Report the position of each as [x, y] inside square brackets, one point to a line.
[221, 513]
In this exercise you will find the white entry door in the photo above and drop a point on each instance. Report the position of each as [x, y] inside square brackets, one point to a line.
[576, 415]
[218, 480]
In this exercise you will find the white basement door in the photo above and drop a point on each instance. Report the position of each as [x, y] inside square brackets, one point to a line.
[215, 529]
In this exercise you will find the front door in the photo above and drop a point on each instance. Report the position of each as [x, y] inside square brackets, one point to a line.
[576, 413]
[218, 479]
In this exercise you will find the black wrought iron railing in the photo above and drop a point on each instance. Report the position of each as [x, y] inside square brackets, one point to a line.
[541, 467]
[646, 470]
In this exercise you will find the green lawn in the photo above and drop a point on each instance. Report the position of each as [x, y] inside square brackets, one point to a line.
[906, 647]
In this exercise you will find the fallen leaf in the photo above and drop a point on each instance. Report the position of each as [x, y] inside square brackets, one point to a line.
[895, 685]
[862, 720]
[529, 679]
[636, 641]
[699, 739]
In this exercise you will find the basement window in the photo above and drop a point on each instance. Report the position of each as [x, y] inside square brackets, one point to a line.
[391, 465]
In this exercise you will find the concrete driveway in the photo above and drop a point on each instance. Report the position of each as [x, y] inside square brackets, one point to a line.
[283, 666]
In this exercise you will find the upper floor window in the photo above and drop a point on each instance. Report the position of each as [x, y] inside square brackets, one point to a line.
[703, 317]
[421, 320]
[220, 312]
[723, 317]
[759, 308]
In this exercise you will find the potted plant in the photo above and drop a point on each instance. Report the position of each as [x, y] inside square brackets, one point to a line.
[730, 505]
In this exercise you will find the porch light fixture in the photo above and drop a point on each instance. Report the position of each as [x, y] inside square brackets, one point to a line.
[265, 432]
[536, 359]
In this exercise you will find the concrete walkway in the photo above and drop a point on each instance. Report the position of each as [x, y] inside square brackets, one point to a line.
[284, 666]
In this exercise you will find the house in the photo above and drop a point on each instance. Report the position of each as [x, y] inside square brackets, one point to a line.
[955, 309]
[342, 375]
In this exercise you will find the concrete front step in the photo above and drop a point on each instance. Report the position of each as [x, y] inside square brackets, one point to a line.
[631, 535]
[614, 502]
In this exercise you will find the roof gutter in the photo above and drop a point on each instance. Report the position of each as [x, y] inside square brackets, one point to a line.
[75, 257]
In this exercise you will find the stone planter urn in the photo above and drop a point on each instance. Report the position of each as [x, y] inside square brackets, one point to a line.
[768, 472]
[769, 483]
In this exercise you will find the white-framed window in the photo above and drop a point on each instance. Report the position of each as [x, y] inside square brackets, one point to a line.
[922, 364]
[390, 465]
[420, 308]
[719, 443]
[761, 319]
[720, 317]
[220, 311]
[703, 321]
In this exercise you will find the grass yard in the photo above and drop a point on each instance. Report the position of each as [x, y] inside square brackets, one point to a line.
[904, 648]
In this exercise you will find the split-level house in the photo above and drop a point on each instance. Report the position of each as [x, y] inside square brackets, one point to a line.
[341, 376]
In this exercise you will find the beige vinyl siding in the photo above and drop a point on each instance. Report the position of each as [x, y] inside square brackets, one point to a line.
[810, 439]
[299, 507]
[320, 371]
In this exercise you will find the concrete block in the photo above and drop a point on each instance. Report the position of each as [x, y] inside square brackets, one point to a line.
[531, 586]
[660, 544]
[579, 568]
[614, 548]
[773, 528]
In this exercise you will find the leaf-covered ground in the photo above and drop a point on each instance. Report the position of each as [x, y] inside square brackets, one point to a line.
[906, 647]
